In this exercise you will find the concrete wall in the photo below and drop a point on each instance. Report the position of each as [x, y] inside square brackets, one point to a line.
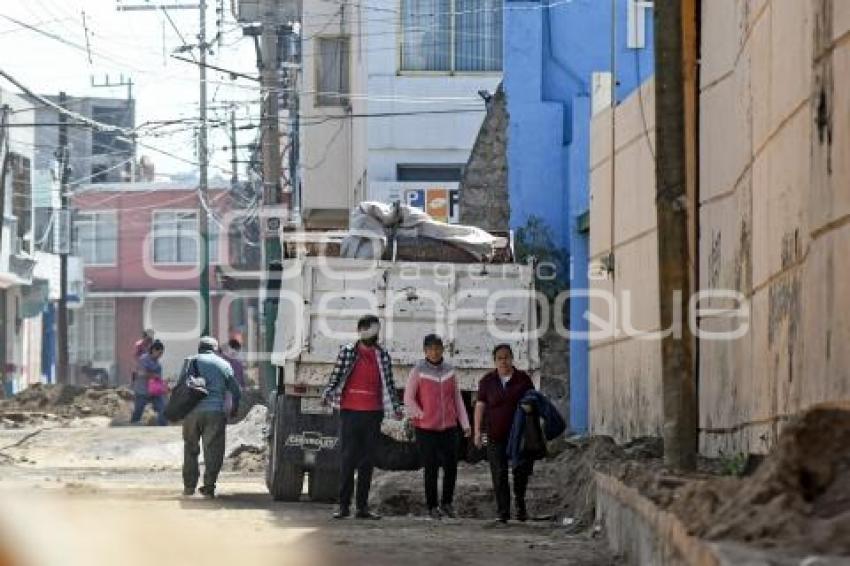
[625, 367]
[774, 213]
[552, 50]
[775, 205]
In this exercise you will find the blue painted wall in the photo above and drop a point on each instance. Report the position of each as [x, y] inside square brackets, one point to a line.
[551, 50]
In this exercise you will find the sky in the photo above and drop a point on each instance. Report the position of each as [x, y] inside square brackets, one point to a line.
[138, 45]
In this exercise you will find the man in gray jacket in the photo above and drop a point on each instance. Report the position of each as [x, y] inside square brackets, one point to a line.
[206, 423]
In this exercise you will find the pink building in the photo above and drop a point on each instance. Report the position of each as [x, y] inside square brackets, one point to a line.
[140, 245]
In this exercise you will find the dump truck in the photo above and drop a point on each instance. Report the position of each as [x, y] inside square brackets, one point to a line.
[473, 305]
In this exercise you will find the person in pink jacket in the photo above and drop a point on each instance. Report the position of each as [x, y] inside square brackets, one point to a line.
[433, 401]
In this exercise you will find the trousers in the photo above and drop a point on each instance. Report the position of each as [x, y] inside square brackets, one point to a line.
[205, 428]
[358, 436]
[497, 455]
[438, 449]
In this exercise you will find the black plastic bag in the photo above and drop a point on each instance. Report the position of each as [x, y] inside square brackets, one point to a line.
[186, 394]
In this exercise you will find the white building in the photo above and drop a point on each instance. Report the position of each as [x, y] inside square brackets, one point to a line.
[390, 106]
[29, 270]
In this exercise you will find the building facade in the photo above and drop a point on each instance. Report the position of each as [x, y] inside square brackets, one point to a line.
[391, 105]
[95, 156]
[29, 264]
[558, 60]
[140, 245]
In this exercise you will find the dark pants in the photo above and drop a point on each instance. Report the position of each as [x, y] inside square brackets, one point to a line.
[497, 455]
[438, 448]
[207, 427]
[358, 436]
[139, 403]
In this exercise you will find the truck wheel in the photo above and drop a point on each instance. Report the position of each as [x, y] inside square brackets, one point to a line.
[324, 486]
[287, 483]
[285, 480]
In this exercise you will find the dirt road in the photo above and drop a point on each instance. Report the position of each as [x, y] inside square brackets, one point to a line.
[104, 496]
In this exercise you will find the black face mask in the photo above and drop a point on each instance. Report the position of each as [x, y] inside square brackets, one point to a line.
[369, 341]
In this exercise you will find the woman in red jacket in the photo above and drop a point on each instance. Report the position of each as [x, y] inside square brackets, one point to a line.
[432, 398]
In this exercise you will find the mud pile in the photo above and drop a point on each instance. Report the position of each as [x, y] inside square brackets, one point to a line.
[67, 405]
[561, 489]
[40, 404]
[799, 497]
[247, 459]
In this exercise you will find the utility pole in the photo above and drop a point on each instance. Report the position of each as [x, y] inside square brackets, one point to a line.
[203, 158]
[234, 154]
[203, 216]
[293, 68]
[63, 366]
[676, 99]
[271, 183]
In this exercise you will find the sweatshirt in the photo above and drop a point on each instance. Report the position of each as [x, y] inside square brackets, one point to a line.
[432, 397]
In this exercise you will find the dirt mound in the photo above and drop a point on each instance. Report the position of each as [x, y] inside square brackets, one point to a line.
[248, 459]
[403, 493]
[798, 497]
[61, 405]
[68, 402]
[561, 488]
[573, 493]
[251, 397]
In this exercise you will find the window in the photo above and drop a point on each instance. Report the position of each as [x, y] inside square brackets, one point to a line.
[429, 172]
[176, 238]
[451, 35]
[332, 71]
[96, 238]
[93, 333]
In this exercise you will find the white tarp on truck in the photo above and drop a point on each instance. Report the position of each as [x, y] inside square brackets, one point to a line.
[372, 223]
[473, 306]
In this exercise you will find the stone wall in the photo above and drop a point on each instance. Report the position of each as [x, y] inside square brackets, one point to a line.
[484, 187]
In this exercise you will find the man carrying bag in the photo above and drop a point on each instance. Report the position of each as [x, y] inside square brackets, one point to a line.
[206, 421]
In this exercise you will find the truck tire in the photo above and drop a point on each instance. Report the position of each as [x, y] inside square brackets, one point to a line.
[324, 485]
[284, 480]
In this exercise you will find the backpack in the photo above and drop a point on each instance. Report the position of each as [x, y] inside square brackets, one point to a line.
[188, 392]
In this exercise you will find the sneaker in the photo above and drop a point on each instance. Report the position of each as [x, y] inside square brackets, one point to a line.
[188, 491]
[366, 514]
[207, 492]
[434, 514]
[448, 511]
[342, 513]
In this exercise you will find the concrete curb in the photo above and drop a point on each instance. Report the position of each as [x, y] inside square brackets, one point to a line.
[637, 529]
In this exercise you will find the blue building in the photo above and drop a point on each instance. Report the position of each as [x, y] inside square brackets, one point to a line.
[554, 51]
